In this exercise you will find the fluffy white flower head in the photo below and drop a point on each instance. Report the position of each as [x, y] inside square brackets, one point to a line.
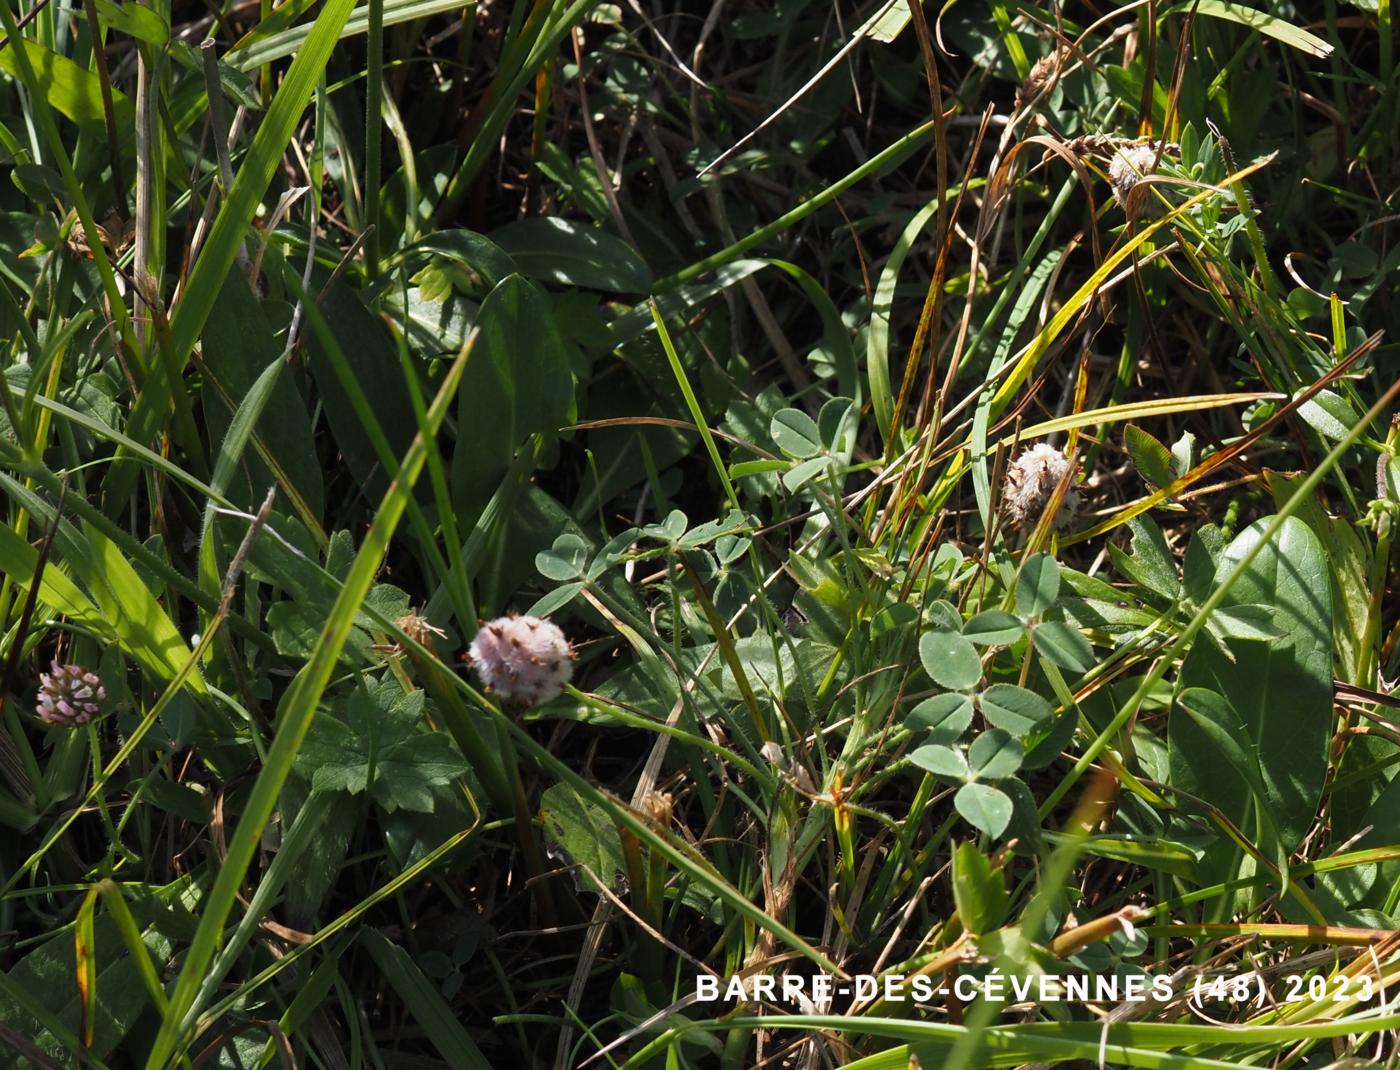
[527, 660]
[1030, 484]
[1129, 165]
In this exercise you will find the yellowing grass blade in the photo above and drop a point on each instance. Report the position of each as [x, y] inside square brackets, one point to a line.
[1140, 410]
[1029, 357]
[86, 962]
[1142, 505]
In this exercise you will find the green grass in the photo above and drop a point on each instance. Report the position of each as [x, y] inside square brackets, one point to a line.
[975, 538]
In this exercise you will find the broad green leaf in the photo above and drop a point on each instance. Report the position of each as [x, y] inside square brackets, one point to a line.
[984, 807]
[616, 550]
[1150, 565]
[1091, 613]
[1126, 83]
[296, 621]
[1243, 622]
[943, 616]
[745, 469]
[1064, 645]
[1045, 742]
[1168, 856]
[820, 579]
[1198, 571]
[1281, 688]
[994, 755]
[318, 829]
[565, 560]
[377, 747]
[729, 547]
[1038, 585]
[38, 182]
[1013, 708]
[1089, 587]
[796, 433]
[71, 90]
[1373, 826]
[136, 20]
[1237, 756]
[680, 302]
[941, 760]
[945, 717]
[1214, 714]
[584, 833]
[1350, 557]
[886, 23]
[562, 251]
[40, 991]
[358, 350]
[994, 627]
[979, 891]
[237, 346]
[478, 254]
[1183, 454]
[556, 600]
[436, 315]
[1150, 457]
[1329, 414]
[294, 627]
[518, 383]
[712, 530]
[950, 660]
[802, 473]
[669, 530]
[836, 423]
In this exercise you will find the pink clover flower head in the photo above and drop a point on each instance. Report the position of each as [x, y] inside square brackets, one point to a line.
[69, 696]
[524, 660]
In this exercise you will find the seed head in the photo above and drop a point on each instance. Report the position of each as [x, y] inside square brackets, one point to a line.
[1030, 484]
[69, 695]
[1041, 77]
[523, 659]
[418, 629]
[1129, 166]
[659, 806]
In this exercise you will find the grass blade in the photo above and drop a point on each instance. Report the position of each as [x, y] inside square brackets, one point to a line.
[227, 233]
